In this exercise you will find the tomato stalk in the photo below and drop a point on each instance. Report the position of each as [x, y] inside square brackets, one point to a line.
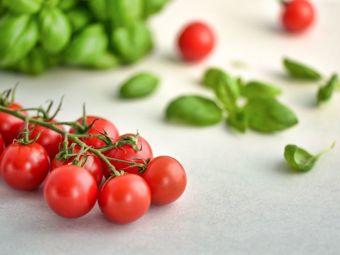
[74, 137]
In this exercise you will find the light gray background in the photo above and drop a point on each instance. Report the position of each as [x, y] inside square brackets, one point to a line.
[241, 198]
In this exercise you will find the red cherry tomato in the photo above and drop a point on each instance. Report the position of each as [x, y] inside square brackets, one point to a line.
[166, 178]
[93, 165]
[48, 138]
[2, 145]
[24, 167]
[99, 126]
[10, 126]
[70, 191]
[196, 41]
[125, 198]
[297, 15]
[127, 153]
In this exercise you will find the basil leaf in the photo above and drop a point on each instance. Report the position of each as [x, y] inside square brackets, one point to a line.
[238, 120]
[86, 46]
[267, 115]
[259, 89]
[325, 92]
[35, 63]
[79, 17]
[104, 61]
[194, 110]
[132, 43]
[301, 71]
[301, 160]
[18, 35]
[153, 6]
[211, 76]
[125, 12]
[23, 6]
[55, 30]
[139, 85]
[68, 4]
[227, 92]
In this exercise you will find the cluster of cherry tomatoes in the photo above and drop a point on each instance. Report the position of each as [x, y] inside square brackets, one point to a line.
[74, 178]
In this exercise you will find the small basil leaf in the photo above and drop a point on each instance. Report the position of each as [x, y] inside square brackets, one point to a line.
[259, 89]
[325, 92]
[125, 12]
[132, 43]
[55, 29]
[301, 160]
[104, 61]
[227, 92]
[238, 120]
[267, 115]
[67, 4]
[79, 17]
[35, 63]
[300, 70]
[139, 85]
[153, 6]
[194, 110]
[211, 76]
[23, 6]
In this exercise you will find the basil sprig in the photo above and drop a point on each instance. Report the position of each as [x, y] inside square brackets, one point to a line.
[301, 160]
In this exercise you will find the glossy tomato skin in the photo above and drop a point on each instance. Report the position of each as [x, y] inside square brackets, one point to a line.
[70, 191]
[298, 15]
[196, 41]
[10, 126]
[2, 145]
[48, 138]
[99, 126]
[127, 153]
[24, 167]
[93, 165]
[166, 178]
[125, 198]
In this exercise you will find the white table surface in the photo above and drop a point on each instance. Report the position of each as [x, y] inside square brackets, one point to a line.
[240, 198]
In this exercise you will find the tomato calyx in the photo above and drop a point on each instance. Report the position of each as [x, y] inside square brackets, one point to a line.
[24, 136]
[7, 97]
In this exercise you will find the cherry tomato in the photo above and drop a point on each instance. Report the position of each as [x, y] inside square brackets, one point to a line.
[10, 126]
[24, 167]
[125, 198]
[297, 15]
[196, 41]
[166, 178]
[70, 191]
[2, 145]
[127, 153]
[48, 138]
[93, 165]
[99, 126]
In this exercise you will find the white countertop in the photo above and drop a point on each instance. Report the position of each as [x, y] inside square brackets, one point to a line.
[240, 198]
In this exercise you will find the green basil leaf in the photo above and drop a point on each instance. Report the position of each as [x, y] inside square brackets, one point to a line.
[2, 8]
[300, 70]
[35, 63]
[194, 110]
[139, 85]
[227, 92]
[79, 17]
[212, 75]
[259, 89]
[86, 46]
[18, 35]
[68, 4]
[238, 120]
[100, 9]
[267, 115]
[153, 6]
[325, 92]
[301, 160]
[132, 43]
[104, 61]
[23, 6]
[55, 30]
[125, 12]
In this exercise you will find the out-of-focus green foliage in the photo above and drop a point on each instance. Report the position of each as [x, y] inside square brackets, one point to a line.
[38, 34]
